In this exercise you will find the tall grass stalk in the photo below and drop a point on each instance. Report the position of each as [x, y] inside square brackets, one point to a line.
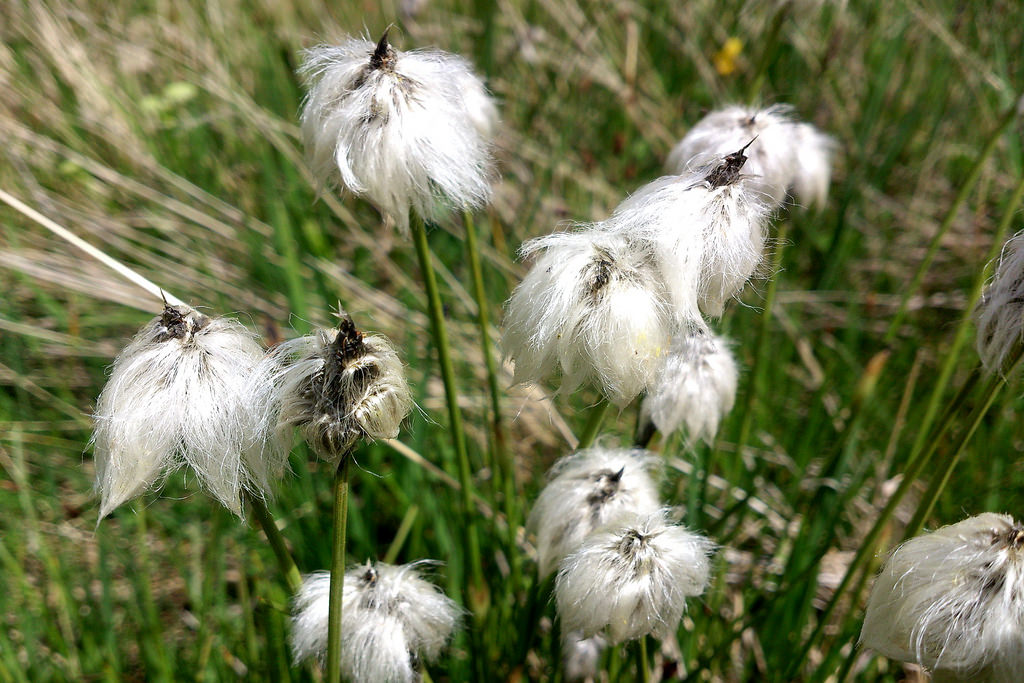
[1007, 118]
[92, 251]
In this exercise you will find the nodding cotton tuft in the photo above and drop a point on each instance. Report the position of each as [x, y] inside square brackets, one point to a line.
[1000, 313]
[787, 155]
[337, 386]
[632, 579]
[180, 394]
[953, 601]
[391, 619]
[405, 130]
[585, 490]
[695, 387]
[705, 230]
[592, 305]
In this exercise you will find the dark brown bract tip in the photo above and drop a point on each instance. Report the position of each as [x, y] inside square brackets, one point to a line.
[349, 342]
[728, 171]
[383, 56]
[174, 324]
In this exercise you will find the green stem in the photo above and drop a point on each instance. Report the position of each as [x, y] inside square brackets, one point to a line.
[595, 418]
[337, 571]
[277, 543]
[440, 334]
[972, 179]
[643, 672]
[502, 464]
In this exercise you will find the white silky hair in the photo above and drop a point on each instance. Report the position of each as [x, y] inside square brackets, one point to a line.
[391, 618]
[581, 656]
[592, 306]
[1000, 313]
[632, 579]
[696, 386]
[707, 241]
[335, 400]
[180, 394]
[584, 492]
[405, 130]
[787, 154]
[953, 601]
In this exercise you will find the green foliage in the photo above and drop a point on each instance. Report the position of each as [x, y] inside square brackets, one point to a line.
[166, 135]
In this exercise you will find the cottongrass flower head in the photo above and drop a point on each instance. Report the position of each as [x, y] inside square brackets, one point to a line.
[179, 394]
[705, 231]
[405, 130]
[1000, 313]
[391, 620]
[787, 154]
[696, 387]
[953, 601]
[584, 492]
[632, 579]
[337, 386]
[593, 306]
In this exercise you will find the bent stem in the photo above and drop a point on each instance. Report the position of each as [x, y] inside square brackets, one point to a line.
[337, 571]
[285, 562]
[440, 334]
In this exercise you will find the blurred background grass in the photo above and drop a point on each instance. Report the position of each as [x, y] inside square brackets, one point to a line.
[165, 134]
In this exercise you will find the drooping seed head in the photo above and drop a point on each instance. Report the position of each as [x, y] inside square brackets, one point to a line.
[391, 619]
[632, 579]
[179, 394]
[593, 307]
[584, 492]
[696, 386]
[787, 155]
[953, 601]
[405, 130]
[337, 386]
[1000, 314]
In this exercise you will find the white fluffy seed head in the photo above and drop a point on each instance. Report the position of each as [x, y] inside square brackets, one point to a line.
[953, 600]
[180, 394]
[405, 130]
[705, 230]
[391, 619]
[787, 155]
[696, 387]
[632, 579]
[593, 306]
[581, 657]
[337, 386]
[584, 492]
[1000, 314]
